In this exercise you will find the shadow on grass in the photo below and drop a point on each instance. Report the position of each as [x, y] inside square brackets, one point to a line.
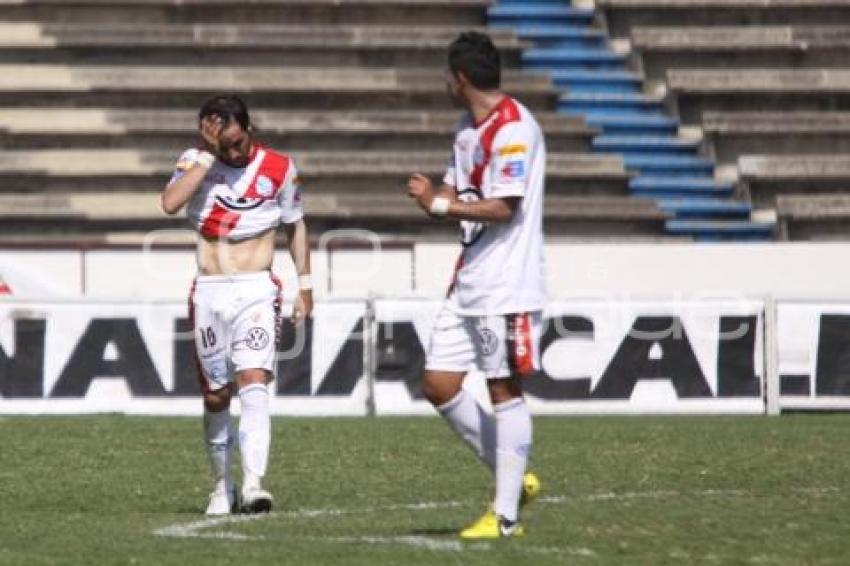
[435, 532]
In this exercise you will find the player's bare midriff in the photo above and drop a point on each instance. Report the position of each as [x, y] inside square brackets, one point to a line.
[230, 257]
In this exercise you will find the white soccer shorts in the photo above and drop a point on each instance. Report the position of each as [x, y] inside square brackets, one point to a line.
[501, 345]
[235, 320]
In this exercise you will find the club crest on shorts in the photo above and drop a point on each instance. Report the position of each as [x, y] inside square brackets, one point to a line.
[257, 338]
[489, 341]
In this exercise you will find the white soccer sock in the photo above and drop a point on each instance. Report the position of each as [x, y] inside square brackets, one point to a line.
[254, 433]
[219, 440]
[513, 445]
[472, 423]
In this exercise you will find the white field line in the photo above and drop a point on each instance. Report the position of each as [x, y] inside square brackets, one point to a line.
[429, 543]
[200, 528]
[668, 494]
[416, 541]
[628, 495]
[197, 529]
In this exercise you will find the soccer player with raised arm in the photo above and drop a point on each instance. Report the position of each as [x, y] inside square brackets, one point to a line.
[491, 317]
[237, 193]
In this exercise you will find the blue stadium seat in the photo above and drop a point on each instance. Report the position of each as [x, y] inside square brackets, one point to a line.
[596, 81]
[561, 36]
[598, 85]
[670, 164]
[572, 58]
[640, 145]
[718, 230]
[674, 187]
[539, 13]
[634, 124]
[683, 208]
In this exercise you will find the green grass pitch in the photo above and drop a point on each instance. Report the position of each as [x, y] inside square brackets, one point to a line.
[640, 490]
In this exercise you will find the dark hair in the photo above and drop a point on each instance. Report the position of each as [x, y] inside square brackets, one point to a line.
[227, 107]
[474, 55]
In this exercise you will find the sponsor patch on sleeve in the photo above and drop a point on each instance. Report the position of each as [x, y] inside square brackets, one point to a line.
[513, 170]
[513, 149]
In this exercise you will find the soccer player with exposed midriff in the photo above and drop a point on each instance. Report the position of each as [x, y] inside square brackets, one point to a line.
[491, 318]
[236, 193]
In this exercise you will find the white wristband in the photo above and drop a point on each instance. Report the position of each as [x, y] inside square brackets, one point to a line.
[440, 206]
[305, 282]
[205, 159]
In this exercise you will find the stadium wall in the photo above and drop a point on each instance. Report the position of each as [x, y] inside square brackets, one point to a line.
[360, 357]
[585, 270]
[632, 329]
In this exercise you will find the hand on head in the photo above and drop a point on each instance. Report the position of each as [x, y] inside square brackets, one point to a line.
[211, 128]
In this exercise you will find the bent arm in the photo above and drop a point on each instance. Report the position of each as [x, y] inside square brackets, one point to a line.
[179, 192]
[488, 210]
[446, 191]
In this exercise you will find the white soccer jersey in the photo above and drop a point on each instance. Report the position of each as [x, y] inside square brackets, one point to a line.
[501, 269]
[238, 203]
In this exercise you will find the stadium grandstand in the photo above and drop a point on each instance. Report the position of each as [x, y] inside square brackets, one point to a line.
[694, 263]
[664, 118]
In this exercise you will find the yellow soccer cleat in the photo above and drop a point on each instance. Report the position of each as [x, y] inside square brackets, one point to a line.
[530, 489]
[490, 526]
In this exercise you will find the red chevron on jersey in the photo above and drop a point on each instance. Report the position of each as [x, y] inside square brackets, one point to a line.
[269, 177]
[506, 112]
[500, 157]
[243, 202]
[219, 222]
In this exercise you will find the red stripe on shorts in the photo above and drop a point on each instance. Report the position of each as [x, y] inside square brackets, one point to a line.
[202, 379]
[458, 267]
[520, 347]
[278, 304]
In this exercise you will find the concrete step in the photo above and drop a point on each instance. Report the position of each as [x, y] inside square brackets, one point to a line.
[328, 172]
[228, 44]
[394, 130]
[130, 212]
[273, 87]
[745, 46]
[622, 16]
[145, 205]
[293, 12]
[680, 187]
[731, 134]
[698, 91]
[717, 230]
[814, 217]
[765, 177]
